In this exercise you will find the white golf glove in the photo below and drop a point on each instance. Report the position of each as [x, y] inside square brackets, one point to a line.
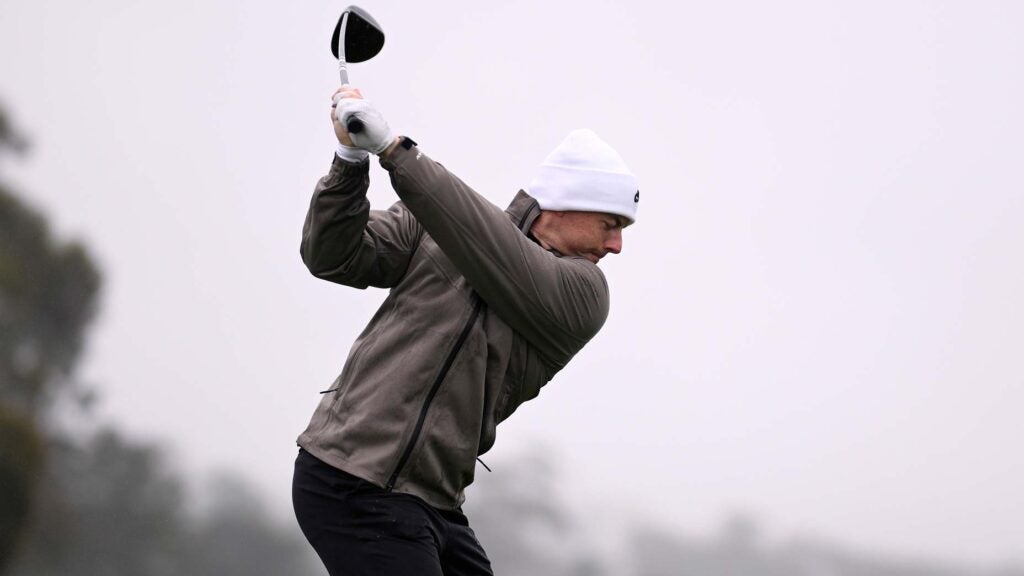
[376, 135]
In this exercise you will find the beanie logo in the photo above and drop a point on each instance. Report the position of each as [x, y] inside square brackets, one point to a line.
[636, 199]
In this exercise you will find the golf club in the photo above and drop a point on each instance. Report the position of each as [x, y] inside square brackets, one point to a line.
[357, 38]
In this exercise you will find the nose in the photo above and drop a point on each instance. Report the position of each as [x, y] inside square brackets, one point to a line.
[613, 243]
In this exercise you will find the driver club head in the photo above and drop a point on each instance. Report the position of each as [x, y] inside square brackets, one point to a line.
[363, 36]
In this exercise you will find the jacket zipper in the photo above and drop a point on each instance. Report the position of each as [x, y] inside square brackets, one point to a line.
[440, 378]
[433, 392]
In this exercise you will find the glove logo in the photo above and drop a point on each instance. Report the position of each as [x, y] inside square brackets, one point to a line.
[636, 199]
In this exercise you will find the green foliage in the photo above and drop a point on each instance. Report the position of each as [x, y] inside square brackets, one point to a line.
[48, 295]
[21, 455]
[9, 138]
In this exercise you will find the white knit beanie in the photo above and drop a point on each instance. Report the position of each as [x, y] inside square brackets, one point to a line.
[585, 174]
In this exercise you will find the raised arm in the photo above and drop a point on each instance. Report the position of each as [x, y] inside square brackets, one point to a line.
[557, 304]
[345, 242]
[342, 239]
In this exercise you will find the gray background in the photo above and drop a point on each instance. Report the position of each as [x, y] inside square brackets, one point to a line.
[818, 317]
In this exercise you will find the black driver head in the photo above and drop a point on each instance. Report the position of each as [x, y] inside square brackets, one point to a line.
[363, 36]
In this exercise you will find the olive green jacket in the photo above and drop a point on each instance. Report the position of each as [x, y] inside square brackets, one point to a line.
[478, 318]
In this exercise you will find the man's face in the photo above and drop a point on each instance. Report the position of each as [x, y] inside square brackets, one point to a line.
[591, 235]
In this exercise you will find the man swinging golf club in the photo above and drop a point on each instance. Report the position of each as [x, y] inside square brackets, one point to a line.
[484, 307]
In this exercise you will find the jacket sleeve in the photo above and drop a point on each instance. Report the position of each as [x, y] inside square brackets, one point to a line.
[345, 242]
[557, 304]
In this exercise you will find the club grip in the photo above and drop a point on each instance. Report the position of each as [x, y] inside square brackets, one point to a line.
[355, 126]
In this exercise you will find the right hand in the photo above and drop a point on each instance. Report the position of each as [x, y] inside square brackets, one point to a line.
[376, 136]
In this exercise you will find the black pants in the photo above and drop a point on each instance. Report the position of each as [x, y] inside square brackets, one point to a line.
[359, 529]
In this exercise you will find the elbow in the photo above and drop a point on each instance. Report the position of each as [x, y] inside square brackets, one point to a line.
[323, 272]
[326, 266]
[589, 308]
[313, 261]
[592, 321]
[306, 253]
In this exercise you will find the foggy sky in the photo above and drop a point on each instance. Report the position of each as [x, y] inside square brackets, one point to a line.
[818, 316]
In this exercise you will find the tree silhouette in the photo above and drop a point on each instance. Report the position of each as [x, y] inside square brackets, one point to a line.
[47, 297]
[20, 463]
[74, 502]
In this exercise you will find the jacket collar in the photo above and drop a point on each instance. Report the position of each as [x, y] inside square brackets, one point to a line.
[523, 210]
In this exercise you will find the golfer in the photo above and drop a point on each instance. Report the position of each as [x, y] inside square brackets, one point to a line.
[484, 307]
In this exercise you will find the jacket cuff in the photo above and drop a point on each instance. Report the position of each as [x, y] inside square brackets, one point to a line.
[400, 154]
[343, 168]
[339, 164]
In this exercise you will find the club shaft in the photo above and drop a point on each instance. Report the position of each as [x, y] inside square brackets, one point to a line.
[342, 65]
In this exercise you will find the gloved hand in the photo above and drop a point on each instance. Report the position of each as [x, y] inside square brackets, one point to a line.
[376, 135]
